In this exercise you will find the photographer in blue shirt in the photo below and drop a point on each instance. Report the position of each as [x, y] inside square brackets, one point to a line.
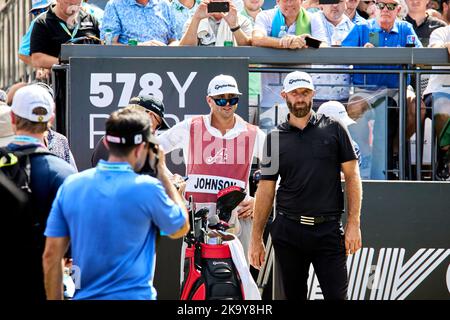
[110, 214]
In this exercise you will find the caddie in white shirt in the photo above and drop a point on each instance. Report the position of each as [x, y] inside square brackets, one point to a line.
[218, 150]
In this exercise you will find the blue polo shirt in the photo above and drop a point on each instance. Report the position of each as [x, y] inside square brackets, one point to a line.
[24, 48]
[371, 31]
[131, 20]
[111, 217]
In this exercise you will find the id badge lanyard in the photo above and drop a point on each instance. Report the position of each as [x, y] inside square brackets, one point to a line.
[108, 166]
[74, 32]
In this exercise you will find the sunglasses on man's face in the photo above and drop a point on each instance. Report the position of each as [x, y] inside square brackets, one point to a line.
[369, 2]
[389, 6]
[222, 102]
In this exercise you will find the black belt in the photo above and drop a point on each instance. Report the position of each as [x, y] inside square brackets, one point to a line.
[310, 220]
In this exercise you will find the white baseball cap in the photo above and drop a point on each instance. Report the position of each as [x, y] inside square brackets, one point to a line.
[6, 130]
[297, 79]
[30, 97]
[336, 110]
[222, 84]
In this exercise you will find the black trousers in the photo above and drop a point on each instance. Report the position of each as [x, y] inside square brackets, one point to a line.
[297, 245]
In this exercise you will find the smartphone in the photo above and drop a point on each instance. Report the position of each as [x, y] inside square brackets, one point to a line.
[312, 42]
[153, 164]
[374, 38]
[329, 1]
[218, 6]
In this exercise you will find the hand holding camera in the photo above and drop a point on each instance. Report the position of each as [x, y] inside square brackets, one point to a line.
[157, 159]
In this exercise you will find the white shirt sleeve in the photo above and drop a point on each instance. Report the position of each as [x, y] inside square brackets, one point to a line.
[263, 23]
[318, 30]
[246, 25]
[176, 137]
[439, 36]
[259, 144]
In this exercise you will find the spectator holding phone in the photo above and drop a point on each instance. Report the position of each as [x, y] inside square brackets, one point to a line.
[285, 26]
[217, 23]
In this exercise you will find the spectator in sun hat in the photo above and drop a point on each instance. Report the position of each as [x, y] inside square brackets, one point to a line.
[336, 110]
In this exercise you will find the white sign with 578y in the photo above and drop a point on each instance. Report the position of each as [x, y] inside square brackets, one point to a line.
[102, 94]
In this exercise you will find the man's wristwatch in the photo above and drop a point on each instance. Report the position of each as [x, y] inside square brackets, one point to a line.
[235, 28]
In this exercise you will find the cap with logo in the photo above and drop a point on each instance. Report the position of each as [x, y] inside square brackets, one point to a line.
[296, 80]
[222, 84]
[6, 130]
[153, 104]
[39, 4]
[30, 97]
[132, 138]
[336, 110]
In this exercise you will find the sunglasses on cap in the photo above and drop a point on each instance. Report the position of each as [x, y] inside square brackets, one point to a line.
[389, 6]
[222, 102]
[38, 11]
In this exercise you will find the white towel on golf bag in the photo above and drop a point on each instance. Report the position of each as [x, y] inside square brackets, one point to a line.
[251, 291]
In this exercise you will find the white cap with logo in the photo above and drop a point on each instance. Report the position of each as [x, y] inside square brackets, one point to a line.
[29, 98]
[222, 84]
[297, 79]
[336, 110]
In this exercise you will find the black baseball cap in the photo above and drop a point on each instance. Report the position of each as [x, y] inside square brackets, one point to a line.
[153, 104]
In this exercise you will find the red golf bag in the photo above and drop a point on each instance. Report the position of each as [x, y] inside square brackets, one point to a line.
[210, 274]
[209, 271]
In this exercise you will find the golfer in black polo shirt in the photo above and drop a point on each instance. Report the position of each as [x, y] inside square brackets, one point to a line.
[308, 152]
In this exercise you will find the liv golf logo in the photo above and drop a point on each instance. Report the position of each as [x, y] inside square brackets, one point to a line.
[391, 278]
